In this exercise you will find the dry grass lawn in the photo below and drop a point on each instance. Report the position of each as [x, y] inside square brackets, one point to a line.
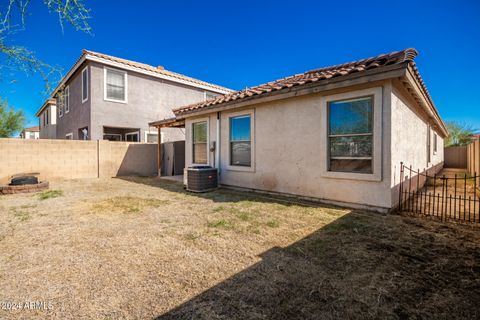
[141, 248]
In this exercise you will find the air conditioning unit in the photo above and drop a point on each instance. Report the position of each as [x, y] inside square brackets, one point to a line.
[202, 179]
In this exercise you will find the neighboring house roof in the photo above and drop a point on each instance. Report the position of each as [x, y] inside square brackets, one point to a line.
[143, 68]
[32, 129]
[322, 75]
[475, 136]
[44, 105]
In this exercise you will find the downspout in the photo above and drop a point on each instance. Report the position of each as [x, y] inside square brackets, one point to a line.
[217, 147]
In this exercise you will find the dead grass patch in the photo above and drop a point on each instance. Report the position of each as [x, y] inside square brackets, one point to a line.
[126, 205]
[150, 249]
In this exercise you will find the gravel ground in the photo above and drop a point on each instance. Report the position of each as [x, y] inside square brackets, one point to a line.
[142, 248]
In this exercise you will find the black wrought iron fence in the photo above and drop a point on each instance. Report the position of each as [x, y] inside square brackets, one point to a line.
[450, 196]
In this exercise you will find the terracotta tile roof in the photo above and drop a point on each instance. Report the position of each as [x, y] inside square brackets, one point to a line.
[159, 70]
[326, 73]
[32, 129]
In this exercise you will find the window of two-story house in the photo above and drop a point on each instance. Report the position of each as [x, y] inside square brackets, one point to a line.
[45, 117]
[240, 141]
[115, 85]
[209, 96]
[85, 84]
[199, 141]
[66, 99]
[60, 101]
[350, 135]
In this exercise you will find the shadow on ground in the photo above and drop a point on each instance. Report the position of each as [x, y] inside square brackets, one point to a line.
[361, 266]
[223, 194]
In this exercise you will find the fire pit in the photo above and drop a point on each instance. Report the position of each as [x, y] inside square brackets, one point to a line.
[24, 183]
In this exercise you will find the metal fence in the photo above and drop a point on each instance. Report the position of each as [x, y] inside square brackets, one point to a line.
[444, 197]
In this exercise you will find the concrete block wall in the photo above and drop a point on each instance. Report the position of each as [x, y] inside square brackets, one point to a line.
[75, 159]
[473, 157]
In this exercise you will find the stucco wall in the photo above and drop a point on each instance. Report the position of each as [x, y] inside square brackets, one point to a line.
[149, 99]
[289, 153]
[50, 130]
[68, 159]
[409, 139]
[79, 114]
[290, 149]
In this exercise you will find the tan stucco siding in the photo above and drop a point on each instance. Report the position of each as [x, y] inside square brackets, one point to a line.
[289, 156]
[409, 139]
[148, 99]
[50, 130]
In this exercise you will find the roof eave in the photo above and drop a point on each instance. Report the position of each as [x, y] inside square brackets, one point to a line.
[44, 105]
[377, 74]
[412, 81]
[86, 56]
[168, 123]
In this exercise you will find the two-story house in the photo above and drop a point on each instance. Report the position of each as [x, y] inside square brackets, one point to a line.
[47, 119]
[105, 97]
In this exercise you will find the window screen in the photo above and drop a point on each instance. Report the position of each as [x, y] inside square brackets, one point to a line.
[240, 141]
[350, 135]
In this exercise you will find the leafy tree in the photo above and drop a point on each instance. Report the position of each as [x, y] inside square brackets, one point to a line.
[11, 121]
[459, 134]
[13, 14]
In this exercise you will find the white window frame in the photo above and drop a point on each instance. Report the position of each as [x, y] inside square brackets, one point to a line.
[435, 143]
[66, 97]
[205, 93]
[377, 100]
[69, 135]
[155, 133]
[125, 76]
[131, 134]
[369, 134]
[85, 71]
[60, 105]
[190, 126]
[229, 166]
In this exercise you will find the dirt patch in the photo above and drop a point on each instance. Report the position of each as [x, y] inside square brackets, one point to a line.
[144, 248]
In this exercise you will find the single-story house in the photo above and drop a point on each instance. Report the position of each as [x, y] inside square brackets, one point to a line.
[337, 133]
[30, 133]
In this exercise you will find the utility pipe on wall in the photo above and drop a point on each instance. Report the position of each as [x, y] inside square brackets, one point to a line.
[217, 147]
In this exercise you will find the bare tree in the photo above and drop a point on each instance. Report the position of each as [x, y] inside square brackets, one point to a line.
[13, 14]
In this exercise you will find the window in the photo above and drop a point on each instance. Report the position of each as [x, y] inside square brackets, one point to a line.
[199, 138]
[434, 143]
[60, 105]
[429, 141]
[240, 141]
[46, 116]
[69, 136]
[132, 136]
[151, 136]
[209, 95]
[85, 84]
[67, 99]
[31, 135]
[350, 135]
[115, 85]
[83, 133]
[112, 137]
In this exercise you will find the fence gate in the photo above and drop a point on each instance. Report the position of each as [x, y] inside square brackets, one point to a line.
[450, 196]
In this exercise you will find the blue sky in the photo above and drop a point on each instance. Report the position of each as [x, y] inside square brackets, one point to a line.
[243, 43]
